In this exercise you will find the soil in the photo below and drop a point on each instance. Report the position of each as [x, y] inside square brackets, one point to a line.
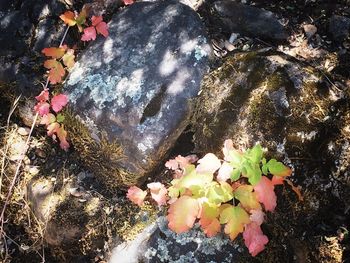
[313, 230]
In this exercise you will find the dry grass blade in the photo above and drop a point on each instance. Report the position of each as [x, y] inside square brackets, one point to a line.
[6, 146]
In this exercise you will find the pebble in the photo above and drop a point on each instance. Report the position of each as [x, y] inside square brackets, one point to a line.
[310, 30]
[23, 131]
[233, 38]
[229, 46]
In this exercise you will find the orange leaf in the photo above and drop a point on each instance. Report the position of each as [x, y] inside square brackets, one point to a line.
[68, 18]
[182, 214]
[54, 52]
[53, 128]
[56, 72]
[296, 190]
[208, 219]
[62, 136]
[48, 119]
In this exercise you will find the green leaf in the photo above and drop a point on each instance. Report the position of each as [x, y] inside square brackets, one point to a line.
[236, 173]
[278, 168]
[252, 172]
[264, 169]
[235, 217]
[219, 193]
[255, 154]
[236, 158]
[60, 118]
[247, 197]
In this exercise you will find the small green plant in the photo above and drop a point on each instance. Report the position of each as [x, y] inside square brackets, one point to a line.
[234, 192]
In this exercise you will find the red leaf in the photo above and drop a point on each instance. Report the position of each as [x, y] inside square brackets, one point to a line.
[266, 194]
[182, 214]
[128, 2]
[102, 29]
[95, 20]
[136, 195]
[68, 18]
[43, 96]
[89, 34]
[254, 238]
[42, 108]
[158, 192]
[58, 102]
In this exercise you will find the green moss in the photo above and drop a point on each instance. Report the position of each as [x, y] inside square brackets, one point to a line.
[223, 92]
[101, 157]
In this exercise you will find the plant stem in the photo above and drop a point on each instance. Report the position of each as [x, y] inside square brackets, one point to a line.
[19, 162]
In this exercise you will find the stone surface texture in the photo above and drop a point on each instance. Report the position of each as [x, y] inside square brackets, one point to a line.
[339, 27]
[159, 244]
[249, 20]
[137, 84]
[291, 109]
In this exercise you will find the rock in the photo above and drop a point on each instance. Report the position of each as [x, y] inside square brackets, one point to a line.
[250, 21]
[339, 27]
[159, 244]
[23, 131]
[265, 97]
[136, 86]
[298, 116]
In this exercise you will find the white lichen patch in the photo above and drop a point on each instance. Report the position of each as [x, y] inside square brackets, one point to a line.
[204, 246]
[306, 136]
[103, 89]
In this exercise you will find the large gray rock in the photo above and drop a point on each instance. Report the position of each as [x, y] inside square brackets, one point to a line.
[249, 20]
[137, 84]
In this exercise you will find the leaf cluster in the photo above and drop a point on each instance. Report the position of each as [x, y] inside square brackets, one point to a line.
[53, 120]
[61, 59]
[232, 194]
